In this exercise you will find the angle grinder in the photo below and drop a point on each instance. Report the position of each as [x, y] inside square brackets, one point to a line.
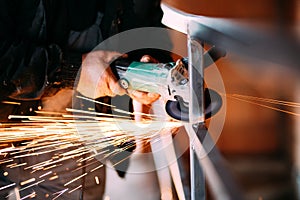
[170, 80]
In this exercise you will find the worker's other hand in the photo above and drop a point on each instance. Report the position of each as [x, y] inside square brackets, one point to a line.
[144, 97]
[96, 78]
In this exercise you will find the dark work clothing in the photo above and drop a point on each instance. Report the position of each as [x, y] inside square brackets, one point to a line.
[38, 35]
[38, 40]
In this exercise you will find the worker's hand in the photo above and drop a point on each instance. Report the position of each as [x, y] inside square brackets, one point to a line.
[96, 78]
[144, 97]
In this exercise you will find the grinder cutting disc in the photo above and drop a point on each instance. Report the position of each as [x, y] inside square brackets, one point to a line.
[213, 103]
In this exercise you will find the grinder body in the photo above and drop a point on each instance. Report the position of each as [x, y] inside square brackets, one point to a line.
[170, 80]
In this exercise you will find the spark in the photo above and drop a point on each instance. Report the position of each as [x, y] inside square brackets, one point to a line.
[50, 167]
[268, 100]
[14, 165]
[77, 135]
[53, 178]
[97, 180]
[75, 179]
[94, 101]
[78, 187]
[42, 112]
[82, 136]
[259, 102]
[27, 181]
[33, 194]
[92, 170]
[83, 166]
[114, 108]
[6, 161]
[7, 186]
[46, 174]
[11, 102]
[29, 186]
[60, 193]
[95, 113]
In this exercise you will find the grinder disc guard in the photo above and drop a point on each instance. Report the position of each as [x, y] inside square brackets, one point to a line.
[213, 103]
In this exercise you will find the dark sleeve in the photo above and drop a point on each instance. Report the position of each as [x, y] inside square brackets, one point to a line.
[141, 13]
[25, 57]
[118, 16]
[127, 15]
[148, 13]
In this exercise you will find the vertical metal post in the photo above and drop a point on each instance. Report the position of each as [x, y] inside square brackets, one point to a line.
[203, 159]
[196, 73]
[196, 114]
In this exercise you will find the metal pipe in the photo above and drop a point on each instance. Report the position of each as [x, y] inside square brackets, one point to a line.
[196, 113]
